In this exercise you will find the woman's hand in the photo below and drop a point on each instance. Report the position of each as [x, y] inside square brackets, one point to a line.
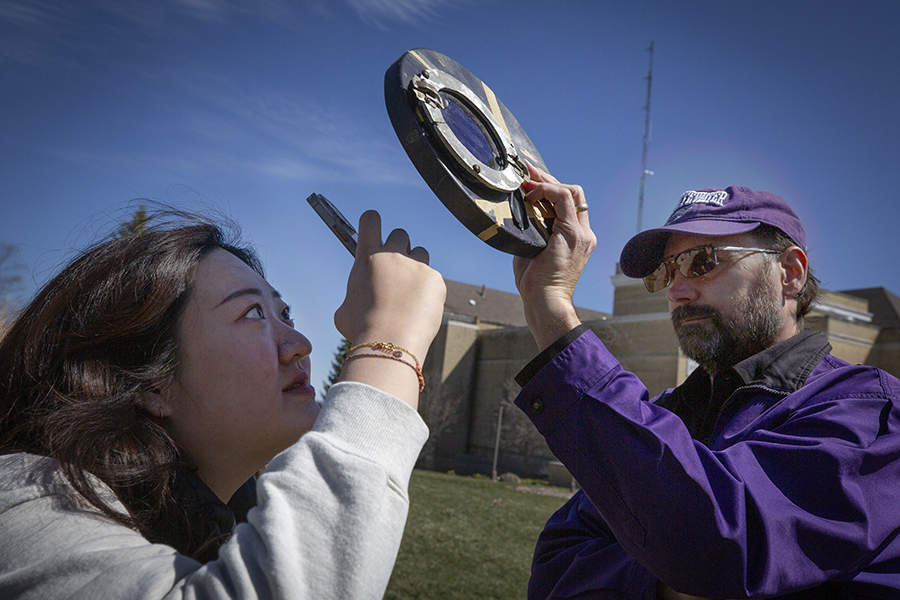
[393, 297]
[547, 281]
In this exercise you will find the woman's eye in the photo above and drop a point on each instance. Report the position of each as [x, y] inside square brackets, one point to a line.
[255, 312]
[286, 313]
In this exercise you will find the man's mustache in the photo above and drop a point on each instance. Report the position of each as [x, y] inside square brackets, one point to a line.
[693, 311]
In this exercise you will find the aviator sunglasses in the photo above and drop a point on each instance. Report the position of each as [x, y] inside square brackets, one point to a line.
[691, 263]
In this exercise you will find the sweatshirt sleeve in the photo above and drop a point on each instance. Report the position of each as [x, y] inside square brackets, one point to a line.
[330, 518]
[332, 511]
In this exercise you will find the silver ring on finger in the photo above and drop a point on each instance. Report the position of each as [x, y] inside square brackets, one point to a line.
[581, 207]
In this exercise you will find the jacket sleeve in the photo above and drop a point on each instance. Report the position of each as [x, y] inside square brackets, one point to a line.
[577, 556]
[330, 518]
[785, 502]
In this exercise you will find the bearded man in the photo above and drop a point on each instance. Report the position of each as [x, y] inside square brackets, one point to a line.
[773, 471]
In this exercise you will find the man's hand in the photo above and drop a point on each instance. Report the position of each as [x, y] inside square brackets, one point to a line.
[547, 281]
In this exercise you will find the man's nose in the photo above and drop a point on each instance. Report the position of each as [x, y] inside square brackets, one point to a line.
[682, 290]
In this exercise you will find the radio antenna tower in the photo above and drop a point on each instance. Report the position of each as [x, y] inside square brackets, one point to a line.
[644, 171]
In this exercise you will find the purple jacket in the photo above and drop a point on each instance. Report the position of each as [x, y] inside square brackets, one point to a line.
[795, 484]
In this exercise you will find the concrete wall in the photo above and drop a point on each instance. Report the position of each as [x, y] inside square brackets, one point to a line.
[446, 403]
[886, 352]
[632, 298]
[462, 401]
[471, 366]
[850, 341]
[462, 406]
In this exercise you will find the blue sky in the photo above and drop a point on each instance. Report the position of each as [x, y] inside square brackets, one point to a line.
[251, 106]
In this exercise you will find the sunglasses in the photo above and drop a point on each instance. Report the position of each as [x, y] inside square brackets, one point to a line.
[691, 263]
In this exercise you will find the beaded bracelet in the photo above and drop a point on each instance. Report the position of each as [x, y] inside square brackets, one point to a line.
[388, 348]
[399, 359]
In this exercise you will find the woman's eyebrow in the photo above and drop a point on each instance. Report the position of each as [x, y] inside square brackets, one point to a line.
[246, 292]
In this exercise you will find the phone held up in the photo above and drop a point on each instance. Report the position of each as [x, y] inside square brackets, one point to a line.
[338, 224]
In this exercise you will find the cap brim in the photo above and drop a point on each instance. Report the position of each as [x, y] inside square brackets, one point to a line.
[643, 253]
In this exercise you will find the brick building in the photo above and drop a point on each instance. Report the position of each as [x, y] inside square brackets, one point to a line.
[484, 341]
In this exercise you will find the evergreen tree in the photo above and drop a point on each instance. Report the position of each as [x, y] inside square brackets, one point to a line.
[137, 224]
[340, 355]
[10, 282]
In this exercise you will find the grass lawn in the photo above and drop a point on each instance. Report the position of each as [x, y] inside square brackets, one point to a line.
[467, 538]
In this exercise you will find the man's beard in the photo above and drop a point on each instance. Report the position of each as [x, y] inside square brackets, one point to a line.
[725, 340]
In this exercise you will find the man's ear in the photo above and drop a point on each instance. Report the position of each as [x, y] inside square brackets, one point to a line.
[155, 402]
[794, 270]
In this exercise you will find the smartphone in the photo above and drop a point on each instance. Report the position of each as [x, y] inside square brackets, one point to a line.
[335, 221]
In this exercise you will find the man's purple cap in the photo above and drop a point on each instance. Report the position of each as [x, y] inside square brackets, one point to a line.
[712, 212]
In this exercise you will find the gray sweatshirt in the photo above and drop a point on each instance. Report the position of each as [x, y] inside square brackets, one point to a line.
[330, 518]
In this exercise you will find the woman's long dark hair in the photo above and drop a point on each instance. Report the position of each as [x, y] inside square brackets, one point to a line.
[76, 360]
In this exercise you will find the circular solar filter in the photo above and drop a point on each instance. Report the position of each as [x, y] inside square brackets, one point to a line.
[469, 130]
[467, 147]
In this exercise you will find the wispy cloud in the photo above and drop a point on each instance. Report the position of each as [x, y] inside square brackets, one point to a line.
[29, 30]
[49, 33]
[59, 32]
[386, 12]
[216, 129]
[51, 17]
[218, 123]
[293, 136]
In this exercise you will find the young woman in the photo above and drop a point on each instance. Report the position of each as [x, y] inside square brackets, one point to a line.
[145, 385]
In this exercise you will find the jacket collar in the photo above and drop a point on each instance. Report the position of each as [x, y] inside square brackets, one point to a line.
[784, 366]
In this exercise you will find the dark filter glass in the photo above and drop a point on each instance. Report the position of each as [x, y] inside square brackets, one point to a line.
[468, 130]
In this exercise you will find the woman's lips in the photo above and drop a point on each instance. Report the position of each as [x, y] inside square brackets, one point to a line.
[300, 384]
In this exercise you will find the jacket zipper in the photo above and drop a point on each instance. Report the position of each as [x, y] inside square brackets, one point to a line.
[755, 386]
